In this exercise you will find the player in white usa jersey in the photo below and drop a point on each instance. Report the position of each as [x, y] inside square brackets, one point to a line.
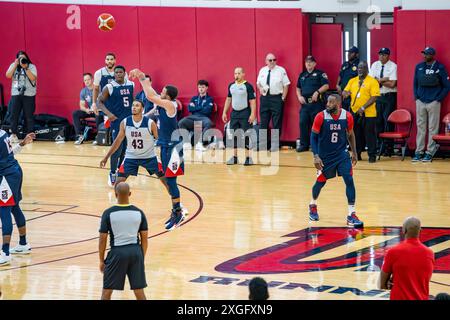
[141, 133]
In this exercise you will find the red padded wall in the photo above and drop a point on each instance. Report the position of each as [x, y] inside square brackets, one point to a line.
[327, 48]
[123, 40]
[13, 40]
[439, 20]
[415, 30]
[270, 24]
[379, 38]
[168, 48]
[174, 45]
[56, 51]
[225, 40]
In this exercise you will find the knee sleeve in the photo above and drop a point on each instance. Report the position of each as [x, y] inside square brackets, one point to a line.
[18, 216]
[316, 188]
[350, 190]
[173, 188]
[5, 215]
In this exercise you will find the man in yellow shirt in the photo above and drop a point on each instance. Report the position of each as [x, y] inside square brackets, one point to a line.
[364, 91]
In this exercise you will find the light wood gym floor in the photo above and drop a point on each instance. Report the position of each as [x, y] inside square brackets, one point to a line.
[233, 211]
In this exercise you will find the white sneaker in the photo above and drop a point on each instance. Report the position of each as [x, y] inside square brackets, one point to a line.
[4, 259]
[187, 146]
[13, 139]
[112, 179]
[21, 249]
[199, 147]
[184, 209]
[94, 142]
[221, 145]
[79, 140]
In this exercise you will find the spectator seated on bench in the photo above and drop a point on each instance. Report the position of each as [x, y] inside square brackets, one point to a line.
[201, 108]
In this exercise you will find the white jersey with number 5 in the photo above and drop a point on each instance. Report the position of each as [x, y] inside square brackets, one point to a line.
[140, 140]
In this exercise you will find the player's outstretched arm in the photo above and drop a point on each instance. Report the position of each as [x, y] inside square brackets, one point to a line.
[117, 142]
[28, 139]
[150, 93]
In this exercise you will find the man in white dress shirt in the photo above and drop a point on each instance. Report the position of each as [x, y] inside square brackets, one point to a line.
[385, 71]
[273, 84]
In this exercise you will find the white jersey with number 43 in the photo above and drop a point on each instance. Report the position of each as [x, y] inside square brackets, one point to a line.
[140, 140]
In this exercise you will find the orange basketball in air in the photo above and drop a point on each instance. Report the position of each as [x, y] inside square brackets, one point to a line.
[106, 22]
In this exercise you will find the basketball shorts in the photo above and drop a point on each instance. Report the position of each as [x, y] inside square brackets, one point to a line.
[172, 160]
[340, 167]
[131, 167]
[121, 262]
[11, 188]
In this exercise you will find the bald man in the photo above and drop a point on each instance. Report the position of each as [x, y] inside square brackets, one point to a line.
[273, 84]
[408, 267]
[128, 230]
[241, 97]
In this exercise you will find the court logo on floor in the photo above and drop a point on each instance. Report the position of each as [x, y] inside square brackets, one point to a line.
[318, 249]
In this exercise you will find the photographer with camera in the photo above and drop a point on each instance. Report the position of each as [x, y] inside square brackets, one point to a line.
[23, 92]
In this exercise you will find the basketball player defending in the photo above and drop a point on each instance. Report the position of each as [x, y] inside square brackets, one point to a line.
[11, 193]
[140, 133]
[171, 148]
[330, 132]
[119, 95]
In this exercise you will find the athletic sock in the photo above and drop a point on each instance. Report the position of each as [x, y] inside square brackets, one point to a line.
[23, 240]
[313, 202]
[5, 248]
[351, 209]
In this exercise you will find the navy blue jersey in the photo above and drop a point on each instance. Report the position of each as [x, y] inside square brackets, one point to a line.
[120, 99]
[167, 125]
[8, 164]
[106, 77]
[332, 131]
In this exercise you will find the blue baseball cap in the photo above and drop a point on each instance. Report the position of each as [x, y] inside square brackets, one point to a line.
[384, 51]
[353, 49]
[429, 50]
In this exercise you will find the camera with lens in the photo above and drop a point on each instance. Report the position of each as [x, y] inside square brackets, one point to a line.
[24, 61]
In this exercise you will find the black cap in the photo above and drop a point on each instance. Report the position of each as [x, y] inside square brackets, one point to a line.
[384, 51]
[353, 49]
[429, 50]
[310, 58]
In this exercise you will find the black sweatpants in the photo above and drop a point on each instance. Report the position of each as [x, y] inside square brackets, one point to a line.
[77, 116]
[271, 107]
[365, 134]
[307, 114]
[28, 105]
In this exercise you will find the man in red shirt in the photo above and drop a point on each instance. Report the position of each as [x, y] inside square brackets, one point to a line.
[408, 267]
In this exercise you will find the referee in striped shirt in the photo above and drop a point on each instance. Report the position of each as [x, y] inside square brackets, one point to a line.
[128, 231]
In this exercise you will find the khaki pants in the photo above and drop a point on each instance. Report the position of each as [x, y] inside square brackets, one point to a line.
[427, 114]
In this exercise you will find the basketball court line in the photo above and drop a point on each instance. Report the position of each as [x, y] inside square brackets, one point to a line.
[261, 165]
[197, 195]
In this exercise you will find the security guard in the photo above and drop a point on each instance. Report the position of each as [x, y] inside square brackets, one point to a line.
[311, 85]
[349, 69]
[431, 86]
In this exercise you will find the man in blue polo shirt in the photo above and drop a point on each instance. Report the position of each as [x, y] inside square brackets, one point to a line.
[200, 107]
[431, 86]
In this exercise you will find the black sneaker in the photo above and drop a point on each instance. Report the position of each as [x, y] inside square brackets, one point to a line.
[233, 160]
[248, 161]
[372, 159]
[176, 218]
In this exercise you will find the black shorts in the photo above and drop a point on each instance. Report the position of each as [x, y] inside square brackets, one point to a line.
[124, 261]
[239, 119]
